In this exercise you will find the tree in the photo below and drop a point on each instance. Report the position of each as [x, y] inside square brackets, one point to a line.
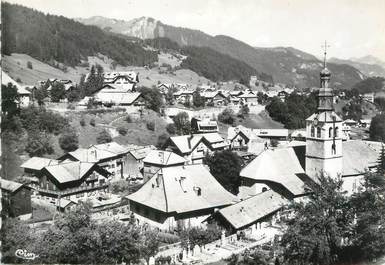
[198, 100]
[377, 128]
[103, 137]
[14, 235]
[74, 94]
[244, 111]
[227, 116]
[69, 140]
[38, 144]
[152, 97]
[171, 128]
[148, 244]
[122, 130]
[225, 167]
[57, 92]
[368, 204]
[182, 123]
[10, 100]
[40, 94]
[162, 139]
[315, 231]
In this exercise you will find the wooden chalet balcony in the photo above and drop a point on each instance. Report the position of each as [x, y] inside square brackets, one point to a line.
[71, 191]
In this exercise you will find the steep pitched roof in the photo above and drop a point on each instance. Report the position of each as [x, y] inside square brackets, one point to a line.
[233, 132]
[37, 163]
[10, 186]
[141, 152]
[252, 209]
[359, 155]
[278, 165]
[175, 190]
[68, 171]
[325, 116]
[159, 157]
[214, 140]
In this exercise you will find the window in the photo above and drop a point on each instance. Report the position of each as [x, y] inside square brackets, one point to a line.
[318, 132]
[330, 132]
[312, 131]
[336, 132]
[333, 149]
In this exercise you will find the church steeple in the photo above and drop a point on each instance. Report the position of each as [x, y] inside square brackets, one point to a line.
[325, 94]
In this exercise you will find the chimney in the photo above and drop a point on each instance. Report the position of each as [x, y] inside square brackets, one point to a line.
[189, 138]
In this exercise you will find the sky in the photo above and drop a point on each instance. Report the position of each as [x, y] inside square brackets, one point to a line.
[353, 28]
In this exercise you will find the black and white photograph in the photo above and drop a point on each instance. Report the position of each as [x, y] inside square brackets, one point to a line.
[176, 132]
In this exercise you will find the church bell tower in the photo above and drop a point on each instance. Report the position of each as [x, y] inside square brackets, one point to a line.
[324, 133]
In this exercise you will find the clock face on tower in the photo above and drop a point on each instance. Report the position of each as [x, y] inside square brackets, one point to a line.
[315, 122]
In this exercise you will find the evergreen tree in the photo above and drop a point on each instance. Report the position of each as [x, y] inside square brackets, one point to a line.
[10, 100]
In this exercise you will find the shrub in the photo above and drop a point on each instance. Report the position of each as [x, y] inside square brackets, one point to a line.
[69, 140]
[274, 143]
[92, 122]
[150, 125]
[82, 122]
[103, 137]
[128, 119]
[171, 128]
[162, 140]
[227, 116]
[168, 238]
[29, 65]
[119, 186]
[122, 131]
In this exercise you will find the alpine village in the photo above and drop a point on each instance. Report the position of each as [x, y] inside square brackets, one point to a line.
[122, 146]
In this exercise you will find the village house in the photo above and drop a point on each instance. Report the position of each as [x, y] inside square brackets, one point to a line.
[195, 147]
[70, 180]
[124, 80]
[184, 96]
[157, 159]
[249, 98]
[112, 94]
[24, 94]
[203, 125]
[245, 139]
[159, 202]
[110, 156]
[257, 211]
[214, 98]
[15, 199]
[135, 161]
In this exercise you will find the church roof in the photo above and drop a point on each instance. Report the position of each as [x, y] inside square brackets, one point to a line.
[175, 190]
[358, 156]
[277, 165]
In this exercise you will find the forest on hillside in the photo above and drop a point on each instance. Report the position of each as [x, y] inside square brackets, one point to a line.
[52, 38]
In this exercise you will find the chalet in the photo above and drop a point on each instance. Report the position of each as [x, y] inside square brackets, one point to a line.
[124, 80]
[158, 159]
[195, 147]
[245, 139]
[112, 94]
[71, 180]
[184, 96]
[24, 94]
[179, 197]
[135, 161]
[15, 199]
[350, 122]
[110, 156]
[259, 211]
[33, 166]
[214, 98]
[204, 125]
[249, 98]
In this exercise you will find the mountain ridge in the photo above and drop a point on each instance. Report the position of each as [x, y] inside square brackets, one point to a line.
[286, 64]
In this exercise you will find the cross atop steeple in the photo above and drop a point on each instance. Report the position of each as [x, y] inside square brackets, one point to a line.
[325, 46]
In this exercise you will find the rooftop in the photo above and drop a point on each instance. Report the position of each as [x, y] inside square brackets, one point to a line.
[252, 209]
[159, 157]
[37, 163]
[10, 186]
[175, 189]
